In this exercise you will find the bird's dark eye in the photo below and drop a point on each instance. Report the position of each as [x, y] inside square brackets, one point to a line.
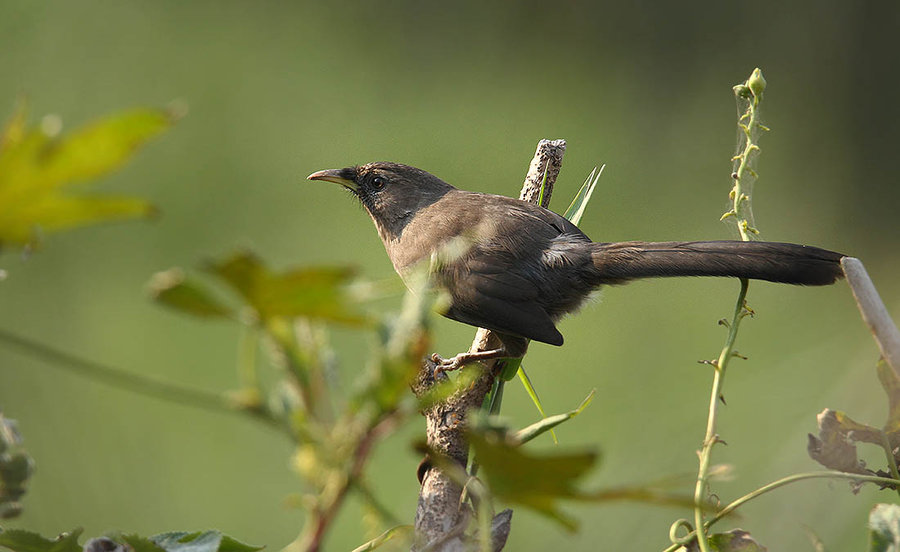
[378, 182]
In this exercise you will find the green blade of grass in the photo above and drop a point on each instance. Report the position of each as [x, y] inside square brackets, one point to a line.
[543, 185]
[579, 204]
[529, 388]
[548, 423]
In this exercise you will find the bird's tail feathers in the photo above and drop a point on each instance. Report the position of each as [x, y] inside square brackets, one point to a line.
[776, 262]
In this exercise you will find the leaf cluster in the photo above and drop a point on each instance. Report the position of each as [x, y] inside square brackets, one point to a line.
[288, 310]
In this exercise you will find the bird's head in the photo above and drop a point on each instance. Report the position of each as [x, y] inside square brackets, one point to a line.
[392, 193]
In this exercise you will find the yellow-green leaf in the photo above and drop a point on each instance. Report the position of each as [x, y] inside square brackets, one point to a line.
[171, 289]
[313, 292]
[37, 166]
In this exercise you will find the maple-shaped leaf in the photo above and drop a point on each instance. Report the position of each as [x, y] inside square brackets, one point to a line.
[318, 292]
[39, 166]
[535, 481]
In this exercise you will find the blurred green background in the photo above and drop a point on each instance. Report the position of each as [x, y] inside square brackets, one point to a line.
[277, 90]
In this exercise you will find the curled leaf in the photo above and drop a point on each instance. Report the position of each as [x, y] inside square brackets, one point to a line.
[834, 448]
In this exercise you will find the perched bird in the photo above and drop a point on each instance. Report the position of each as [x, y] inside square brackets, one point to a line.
[516, 268]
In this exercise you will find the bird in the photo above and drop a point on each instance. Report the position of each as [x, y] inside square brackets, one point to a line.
[516, 268]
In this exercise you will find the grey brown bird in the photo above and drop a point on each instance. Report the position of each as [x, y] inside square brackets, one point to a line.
[517, 268]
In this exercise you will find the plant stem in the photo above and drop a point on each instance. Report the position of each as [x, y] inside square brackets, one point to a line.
[891, 461]
[322, 515]
[751, 91]
[710, 439]
[775, 485]
[115, 377]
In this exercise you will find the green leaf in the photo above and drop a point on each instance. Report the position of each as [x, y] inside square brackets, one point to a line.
[26, 541]
[171, 289]
[316, 292]
[139, 544]
[532, 393]
[548, 423]
[884, 528]
[510, 368]
[534, 481]
[37, 166]
[579, 203]
[179, 541]
[229, 544]
[104, 146]
[207, 541]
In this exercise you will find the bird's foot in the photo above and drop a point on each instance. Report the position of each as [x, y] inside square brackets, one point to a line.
[450, 364]
[442, 364]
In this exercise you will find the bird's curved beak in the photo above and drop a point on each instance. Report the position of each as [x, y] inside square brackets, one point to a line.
[344, 177]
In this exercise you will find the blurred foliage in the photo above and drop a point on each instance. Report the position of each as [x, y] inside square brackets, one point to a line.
[884, 528]
[334, 431]
[38, 166]
[207, 541]
[16, 467]
[319, 293]
[535, 481]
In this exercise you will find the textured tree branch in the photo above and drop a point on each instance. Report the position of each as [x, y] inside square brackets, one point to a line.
[440, 518]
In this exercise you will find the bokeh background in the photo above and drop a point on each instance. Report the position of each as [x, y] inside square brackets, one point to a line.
[277, 90]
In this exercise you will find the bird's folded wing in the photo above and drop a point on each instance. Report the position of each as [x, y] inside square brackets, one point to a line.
[499, 299]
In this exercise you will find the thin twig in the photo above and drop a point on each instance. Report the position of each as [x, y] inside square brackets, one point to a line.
[122, 379]
[711, 437]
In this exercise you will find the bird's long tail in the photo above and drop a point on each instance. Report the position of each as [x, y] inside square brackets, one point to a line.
[776, 262]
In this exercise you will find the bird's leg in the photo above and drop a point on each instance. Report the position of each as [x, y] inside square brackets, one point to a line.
[510, 347]
[460, 360]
